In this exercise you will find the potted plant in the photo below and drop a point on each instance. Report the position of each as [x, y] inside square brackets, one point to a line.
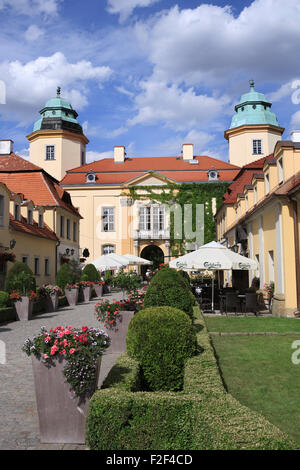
[98, 286]
[86, 287]
[23, 302]
[115, 323]
[50, 294]
[66, 363]
[71, 293]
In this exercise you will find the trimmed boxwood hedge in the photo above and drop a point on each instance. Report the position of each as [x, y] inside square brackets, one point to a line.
[91, 272]
[168, 288]
[201, 417]
[161, 339]
[16, 269]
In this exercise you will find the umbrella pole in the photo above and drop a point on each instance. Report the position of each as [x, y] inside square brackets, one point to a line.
[212, 291]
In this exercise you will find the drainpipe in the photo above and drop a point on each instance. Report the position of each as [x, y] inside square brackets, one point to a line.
[296, 242]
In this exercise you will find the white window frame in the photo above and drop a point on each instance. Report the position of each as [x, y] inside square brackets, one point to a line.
[255, 147]
[152, 218]
[27, 259]
[108, 219]
[47, 146]
[111, 249]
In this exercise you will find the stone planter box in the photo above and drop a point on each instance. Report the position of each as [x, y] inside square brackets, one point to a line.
[61, 416]
[51, 303]
[87, 291]
[98, 289]
[72, 296]
[24, 308]
[118, 334]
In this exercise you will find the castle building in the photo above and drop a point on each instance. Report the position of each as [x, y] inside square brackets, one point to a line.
[112, 220]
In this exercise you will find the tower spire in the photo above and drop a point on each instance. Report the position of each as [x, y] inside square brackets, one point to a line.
[58, 90]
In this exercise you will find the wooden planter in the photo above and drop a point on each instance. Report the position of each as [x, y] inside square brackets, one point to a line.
[87, 291]
[24, 308]
[118, 334]
[62, 417]
[98, 289]
[51, 302]
[72, 296]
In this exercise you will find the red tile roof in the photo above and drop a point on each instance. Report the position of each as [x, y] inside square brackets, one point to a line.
[19, 175]
[175, 168]
[34, 229]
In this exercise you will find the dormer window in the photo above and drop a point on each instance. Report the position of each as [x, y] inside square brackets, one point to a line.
[17, 212]
[41, 220]
[91, 177]
[213, 175]
[30, 217]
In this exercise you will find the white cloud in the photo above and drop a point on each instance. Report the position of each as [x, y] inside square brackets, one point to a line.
[31, 7]
[175, 108]
[123, 91]
[92, 156]
[33, 33]
[209, 45]
[295, 121]
[116, 132]
[24, 153]
[29, 85]
[125, 7]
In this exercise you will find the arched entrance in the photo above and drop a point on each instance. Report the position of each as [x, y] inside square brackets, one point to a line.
[152, 253]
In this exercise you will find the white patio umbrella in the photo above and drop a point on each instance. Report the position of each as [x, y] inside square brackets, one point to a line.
[213, 256]
[107, 262]
[137, 260]
[120, 258]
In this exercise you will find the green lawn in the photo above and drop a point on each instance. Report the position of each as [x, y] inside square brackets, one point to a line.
[254, 324]
[258, 372]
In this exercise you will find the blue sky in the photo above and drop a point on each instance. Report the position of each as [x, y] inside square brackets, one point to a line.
[147, 74]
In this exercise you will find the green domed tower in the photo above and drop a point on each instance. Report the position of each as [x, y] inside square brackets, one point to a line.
[254, 129]
[57, 142]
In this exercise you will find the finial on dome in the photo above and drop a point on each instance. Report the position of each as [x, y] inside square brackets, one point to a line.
[58, 91]
[251, 83]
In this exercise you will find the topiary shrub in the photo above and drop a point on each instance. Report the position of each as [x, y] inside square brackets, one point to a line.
[169, 288]
[91, 273]
[20, 277]
[4, 299]
[161, 339]
[65, 276]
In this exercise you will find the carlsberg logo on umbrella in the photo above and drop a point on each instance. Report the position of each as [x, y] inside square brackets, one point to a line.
[209, 265]
[244, 266]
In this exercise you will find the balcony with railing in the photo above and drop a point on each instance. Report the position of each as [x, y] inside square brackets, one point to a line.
[151, 234]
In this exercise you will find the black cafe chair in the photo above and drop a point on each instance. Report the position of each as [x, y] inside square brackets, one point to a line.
[231, 303]
[251, 304]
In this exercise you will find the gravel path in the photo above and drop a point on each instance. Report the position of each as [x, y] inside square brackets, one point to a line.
[19, 428]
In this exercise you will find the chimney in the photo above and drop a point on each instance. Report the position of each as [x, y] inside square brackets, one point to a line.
[119, 153]
[295, 136]
[187, 152]
[6, 146]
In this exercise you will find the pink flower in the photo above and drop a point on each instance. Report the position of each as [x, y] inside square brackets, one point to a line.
[54, 349]
[72, 350]
[47, 338]
[46, 356]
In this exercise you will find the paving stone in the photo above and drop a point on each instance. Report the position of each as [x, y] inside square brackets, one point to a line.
[19, 427]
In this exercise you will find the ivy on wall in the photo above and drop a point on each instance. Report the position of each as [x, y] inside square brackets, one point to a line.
[185, 193]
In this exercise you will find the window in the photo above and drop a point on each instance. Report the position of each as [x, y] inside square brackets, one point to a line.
[108, 216]
[36, 266]
[213, 175]
[145, 218]
[17, 212]
[62, 226]
[74, 232]
[158, 218]
[41, 220]
[25, 259]
[267, 183]
[257, 147]
[50, 152]
[47, 267]
[152, 218]
[1, 211]
[280, 170]
[91, 177]
[107, 249]
[30, 217]
[68, 229]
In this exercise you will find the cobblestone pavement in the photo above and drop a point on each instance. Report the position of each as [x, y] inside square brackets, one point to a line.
[19, 428]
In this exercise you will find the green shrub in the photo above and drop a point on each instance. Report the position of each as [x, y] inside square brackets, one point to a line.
[4, 299]
[161, 339]
[66, 275]
[168, 288]
[20, 277]
[125, 375]
[91, 273]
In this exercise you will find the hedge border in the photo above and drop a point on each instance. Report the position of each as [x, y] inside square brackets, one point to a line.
[201, 417]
